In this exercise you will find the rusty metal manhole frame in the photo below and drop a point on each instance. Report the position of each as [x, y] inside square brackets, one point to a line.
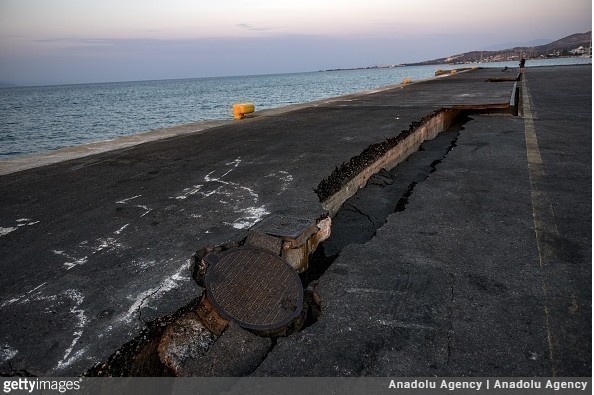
[210, 280]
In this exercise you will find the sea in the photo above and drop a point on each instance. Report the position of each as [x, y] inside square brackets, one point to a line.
[38, 119]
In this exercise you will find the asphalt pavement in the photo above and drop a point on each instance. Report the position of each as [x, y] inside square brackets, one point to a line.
[467, 278]
[487, 269]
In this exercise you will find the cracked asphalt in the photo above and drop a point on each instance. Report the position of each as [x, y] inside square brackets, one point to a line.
[487, 270]
[94, 247]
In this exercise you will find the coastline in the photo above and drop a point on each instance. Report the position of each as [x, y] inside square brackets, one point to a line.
[26, 162]
[13, 164]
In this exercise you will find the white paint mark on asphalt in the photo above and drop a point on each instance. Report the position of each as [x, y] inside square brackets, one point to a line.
[81, 322]
[76, 297]
[125, 201]
[11, 301]
[215, 191]
[232, 196]
[26, 297]
[20, 223]
[251, 215]
[26, 224]
[143, 265]
[108, 244]
[231, 184]
[72, 262]
[235, 164]
[7, 353]
[187, 192]
[145, 208]
[167, 284]
[40, 298]
[37, 287]
[283, 176]
[74, 357]
[5, 231]
[119, 231]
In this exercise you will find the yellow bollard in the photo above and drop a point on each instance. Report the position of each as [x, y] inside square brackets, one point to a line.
[240, 109]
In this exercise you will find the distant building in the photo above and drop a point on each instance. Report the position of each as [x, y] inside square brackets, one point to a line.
[580, 51]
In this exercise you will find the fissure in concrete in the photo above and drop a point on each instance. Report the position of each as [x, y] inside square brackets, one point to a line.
[386, 192]
[197, 341]
[352, 175]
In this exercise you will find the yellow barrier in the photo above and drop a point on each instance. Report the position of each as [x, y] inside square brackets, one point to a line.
[240, 109]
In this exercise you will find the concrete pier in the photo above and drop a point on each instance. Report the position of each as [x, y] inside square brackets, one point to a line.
[484, 270]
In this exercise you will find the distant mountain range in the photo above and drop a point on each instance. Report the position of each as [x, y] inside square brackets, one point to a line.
[558, 48]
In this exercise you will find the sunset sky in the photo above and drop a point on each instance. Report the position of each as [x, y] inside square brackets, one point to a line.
[72, 41]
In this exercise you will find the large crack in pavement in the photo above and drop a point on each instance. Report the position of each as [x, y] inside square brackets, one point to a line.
[387, 192]
[356, 222]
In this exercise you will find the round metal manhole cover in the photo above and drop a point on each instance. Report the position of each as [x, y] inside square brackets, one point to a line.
[255, 288]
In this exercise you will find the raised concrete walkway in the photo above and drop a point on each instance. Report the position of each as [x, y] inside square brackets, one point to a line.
[93, 248]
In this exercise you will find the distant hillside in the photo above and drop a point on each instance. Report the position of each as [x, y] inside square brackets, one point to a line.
[561, 47]
[531, 43]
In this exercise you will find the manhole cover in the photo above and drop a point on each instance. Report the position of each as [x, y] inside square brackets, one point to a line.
[283, 226]
[254, 287]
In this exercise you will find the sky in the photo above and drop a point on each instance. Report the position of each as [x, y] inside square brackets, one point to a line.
[80, 41]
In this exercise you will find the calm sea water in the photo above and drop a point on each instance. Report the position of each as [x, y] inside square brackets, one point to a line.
[38, 119]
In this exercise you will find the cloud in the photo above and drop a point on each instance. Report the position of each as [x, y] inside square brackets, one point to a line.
[252, 28]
